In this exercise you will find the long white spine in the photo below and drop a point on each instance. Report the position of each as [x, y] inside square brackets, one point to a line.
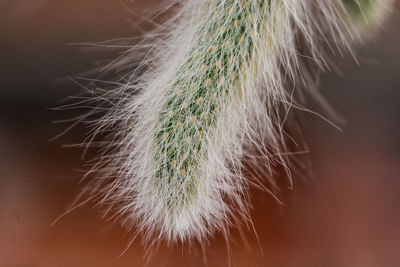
[211, 93]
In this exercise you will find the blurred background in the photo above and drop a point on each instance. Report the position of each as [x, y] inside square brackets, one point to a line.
[348, 215]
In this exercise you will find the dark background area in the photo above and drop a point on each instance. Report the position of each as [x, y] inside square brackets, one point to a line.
[348, 215]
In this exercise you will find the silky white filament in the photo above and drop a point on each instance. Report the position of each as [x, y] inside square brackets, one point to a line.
[212, 95]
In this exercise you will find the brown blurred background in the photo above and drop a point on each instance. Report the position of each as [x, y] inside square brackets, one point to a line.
[348, 215]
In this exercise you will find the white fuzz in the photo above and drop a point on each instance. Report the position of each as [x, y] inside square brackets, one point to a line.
[211, 96]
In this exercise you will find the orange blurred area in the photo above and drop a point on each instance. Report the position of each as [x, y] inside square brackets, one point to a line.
[348, 214]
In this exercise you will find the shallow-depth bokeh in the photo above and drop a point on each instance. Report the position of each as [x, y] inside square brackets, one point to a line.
[348, 214]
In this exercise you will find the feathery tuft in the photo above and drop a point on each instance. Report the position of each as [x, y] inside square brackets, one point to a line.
[214, 93]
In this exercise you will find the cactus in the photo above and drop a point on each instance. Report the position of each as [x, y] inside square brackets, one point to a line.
[213, 93]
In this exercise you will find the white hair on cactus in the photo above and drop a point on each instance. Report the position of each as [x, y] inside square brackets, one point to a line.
[209, 97]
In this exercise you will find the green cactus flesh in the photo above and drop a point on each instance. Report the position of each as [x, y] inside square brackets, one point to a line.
[199, 92]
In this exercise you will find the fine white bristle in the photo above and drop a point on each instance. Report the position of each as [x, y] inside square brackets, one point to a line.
[211, 95]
